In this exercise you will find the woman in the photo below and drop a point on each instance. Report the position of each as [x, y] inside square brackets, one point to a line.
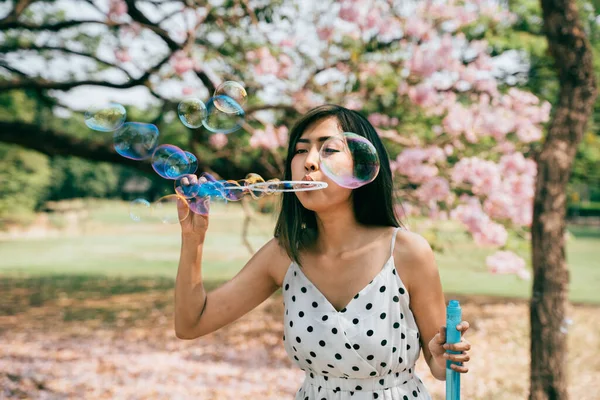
[354, 326]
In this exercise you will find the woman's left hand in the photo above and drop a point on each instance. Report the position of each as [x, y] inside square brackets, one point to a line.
[438, 347]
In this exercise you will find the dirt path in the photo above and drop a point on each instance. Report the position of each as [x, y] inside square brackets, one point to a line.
[124, 348]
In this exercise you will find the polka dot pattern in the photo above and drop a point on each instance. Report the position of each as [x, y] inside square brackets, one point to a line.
[366, 350]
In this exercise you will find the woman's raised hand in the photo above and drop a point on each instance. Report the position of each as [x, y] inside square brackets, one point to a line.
[191, 222]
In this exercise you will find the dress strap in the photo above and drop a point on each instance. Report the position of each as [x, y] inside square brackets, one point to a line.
[394, 239]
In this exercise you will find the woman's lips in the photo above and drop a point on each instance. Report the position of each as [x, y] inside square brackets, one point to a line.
[308, 178]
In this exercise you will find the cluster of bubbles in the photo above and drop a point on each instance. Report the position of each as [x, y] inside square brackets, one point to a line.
[223, 113]
[349, 160]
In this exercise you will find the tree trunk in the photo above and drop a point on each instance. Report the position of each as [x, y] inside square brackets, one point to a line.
[572, 54]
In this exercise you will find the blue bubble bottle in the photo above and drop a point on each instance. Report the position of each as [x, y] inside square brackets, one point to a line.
[453, 318]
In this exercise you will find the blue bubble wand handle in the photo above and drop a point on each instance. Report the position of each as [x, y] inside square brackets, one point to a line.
[453, 318]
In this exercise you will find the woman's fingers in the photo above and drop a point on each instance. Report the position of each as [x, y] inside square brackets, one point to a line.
[463, 327]
[463, 345]
[457, 357]
[459, 368]
[441, 336]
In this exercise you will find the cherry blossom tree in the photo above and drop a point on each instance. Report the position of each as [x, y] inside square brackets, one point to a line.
[462, 135]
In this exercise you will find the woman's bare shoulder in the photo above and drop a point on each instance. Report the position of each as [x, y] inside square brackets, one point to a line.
[410, 250]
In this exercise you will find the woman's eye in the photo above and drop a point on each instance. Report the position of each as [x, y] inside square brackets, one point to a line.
[331, 150]
[298, 151]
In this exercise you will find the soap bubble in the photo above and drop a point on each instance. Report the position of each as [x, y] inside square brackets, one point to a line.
[252, 179]
[106, 117]
[191, 112]
[139, 210]
[136, 140]
[350, 160]
[186, 189]
[165, 209]
[170, 162]
[193, 162]
[218, 121]
[232, 90]
[199, 205]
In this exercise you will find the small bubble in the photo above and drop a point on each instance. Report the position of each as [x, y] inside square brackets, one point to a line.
[105, 117]
[192, 112]
[232, 90]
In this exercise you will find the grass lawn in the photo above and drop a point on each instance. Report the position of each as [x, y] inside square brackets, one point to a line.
[113, 255]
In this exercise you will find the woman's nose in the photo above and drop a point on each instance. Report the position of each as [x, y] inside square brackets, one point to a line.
[312, 161]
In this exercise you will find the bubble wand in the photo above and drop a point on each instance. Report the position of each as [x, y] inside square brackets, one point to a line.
[453, 318]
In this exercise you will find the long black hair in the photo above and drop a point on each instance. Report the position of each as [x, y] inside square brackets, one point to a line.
[296, 227]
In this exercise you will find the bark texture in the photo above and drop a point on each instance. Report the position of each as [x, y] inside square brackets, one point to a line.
[570, 48]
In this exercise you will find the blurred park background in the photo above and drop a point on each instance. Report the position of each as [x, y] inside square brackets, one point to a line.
[86, 292]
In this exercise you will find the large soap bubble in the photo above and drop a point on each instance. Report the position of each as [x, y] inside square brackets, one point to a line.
[350, 160]
[233, 90]
[105, 117]
[191, 112]
[170, 162]
[136, 140]
[218, 121]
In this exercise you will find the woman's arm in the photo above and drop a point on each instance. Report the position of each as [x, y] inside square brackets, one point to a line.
[425, 289]
[250, 287]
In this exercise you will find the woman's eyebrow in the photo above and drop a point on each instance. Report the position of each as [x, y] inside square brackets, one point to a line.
[321, 139]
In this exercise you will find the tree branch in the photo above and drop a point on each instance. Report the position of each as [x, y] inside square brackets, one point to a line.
[69, 51]
[53, 143]
[9, 23]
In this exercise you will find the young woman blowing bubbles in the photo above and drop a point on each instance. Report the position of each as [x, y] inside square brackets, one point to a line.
[362, 294]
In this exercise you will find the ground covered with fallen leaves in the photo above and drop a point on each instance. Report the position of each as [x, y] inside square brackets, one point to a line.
[123, 346]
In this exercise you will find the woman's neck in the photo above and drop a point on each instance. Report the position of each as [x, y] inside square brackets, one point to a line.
[338, 232]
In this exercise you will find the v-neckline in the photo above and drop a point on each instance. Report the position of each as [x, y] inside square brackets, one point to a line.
[360, 292]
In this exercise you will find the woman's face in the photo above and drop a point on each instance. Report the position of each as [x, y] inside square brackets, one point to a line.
[306, 164]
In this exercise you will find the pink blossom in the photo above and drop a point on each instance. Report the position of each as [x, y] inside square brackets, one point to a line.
[497, 123]
[491, 234]
[325, 33]
[458, 120]
[349, 12]
[505, 147]
[218, 140]
[528, 132]
[514, 164]
[423, 95]
[374, 18]
[485, 232]
[499, 205]
[181, 63]
[436, 189]
[133, 29]
[270, 137]
[483, 175]
[417, 164]
[353, 103]
[378, 120]
[417, 28]
[116, 8]
[288, 42]
[507, 262]
[487, 86]
[422, 63]
[187, 91]
[122, 55]
[404, 210]
[286, 64]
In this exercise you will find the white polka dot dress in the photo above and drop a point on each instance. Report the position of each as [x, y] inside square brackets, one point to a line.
[368, 350]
